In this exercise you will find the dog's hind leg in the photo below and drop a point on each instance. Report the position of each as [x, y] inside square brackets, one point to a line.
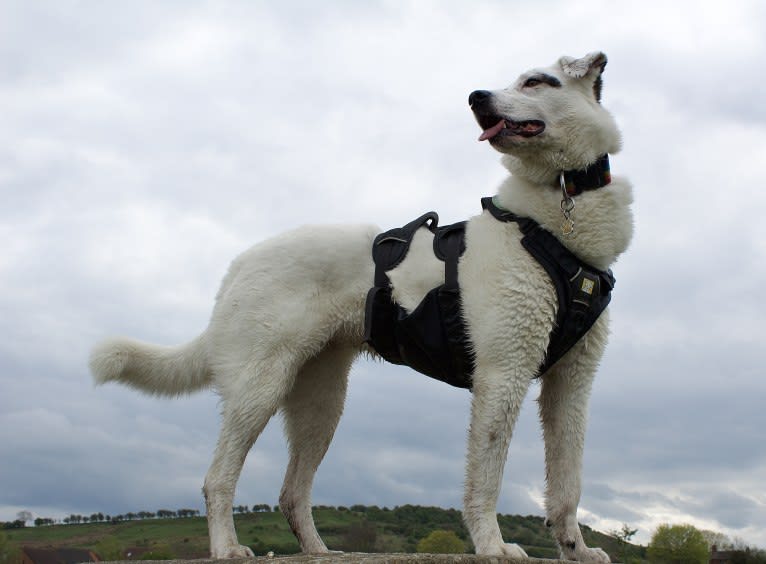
[497, 399]
[311, 413]
[563, 406]
[245, 414]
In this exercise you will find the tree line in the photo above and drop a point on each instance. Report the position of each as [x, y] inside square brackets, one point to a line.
[75, 519]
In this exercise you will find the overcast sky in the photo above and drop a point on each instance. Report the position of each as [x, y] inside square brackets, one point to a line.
[145, 144]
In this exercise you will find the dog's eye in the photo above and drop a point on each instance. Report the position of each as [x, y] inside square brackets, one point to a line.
[532, 82]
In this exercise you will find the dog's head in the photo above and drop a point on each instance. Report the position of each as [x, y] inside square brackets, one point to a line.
[551, 119]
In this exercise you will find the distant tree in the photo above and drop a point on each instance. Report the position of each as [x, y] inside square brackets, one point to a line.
[624, 535]
[678, 544]
[265, 507]
[24, 516]
[719, 540]
[73, 519]
[441, 542]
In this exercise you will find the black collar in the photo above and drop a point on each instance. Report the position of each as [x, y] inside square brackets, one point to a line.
[591, 177]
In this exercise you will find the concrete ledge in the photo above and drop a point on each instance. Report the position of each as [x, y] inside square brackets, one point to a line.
[360, 558]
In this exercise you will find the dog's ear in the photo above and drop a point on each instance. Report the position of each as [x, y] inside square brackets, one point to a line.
[591, 66]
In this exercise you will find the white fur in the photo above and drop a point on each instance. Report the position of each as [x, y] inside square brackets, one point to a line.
[288, 323]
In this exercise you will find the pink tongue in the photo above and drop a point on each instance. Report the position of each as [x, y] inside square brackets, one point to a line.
[492, 131]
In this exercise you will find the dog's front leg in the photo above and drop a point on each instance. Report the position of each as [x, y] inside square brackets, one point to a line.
[563, 408]
[497, 399]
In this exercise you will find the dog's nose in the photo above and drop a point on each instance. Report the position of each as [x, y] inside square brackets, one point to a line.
[478, 96]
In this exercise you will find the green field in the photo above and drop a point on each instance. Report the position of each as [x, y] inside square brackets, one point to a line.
[360, 528]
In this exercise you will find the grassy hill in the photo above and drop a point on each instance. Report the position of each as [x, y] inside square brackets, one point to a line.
[360, 528]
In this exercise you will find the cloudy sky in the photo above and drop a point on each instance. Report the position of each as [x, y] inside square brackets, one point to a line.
[144, 144]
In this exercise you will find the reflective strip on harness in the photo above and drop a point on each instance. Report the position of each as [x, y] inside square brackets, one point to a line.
[432, 339]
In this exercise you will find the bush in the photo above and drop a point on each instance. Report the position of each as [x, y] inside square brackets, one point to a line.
[441, 542]
[678, 544]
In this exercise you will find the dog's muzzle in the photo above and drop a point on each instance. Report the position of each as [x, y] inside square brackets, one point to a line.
[495, 125]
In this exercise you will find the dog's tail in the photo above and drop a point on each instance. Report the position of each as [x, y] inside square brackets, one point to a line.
[152, 369]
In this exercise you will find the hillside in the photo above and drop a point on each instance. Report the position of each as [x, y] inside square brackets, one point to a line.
[358, 529]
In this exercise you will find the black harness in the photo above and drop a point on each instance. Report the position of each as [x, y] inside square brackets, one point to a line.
[433, 339]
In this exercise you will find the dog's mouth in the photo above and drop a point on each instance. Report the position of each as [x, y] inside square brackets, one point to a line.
[495, 125]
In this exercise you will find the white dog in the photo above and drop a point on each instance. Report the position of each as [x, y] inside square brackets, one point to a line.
[290, 316]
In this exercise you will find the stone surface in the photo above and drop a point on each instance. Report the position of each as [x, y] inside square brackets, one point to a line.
[360, 558]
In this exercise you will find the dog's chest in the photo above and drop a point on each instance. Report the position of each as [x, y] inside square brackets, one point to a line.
[502, 285]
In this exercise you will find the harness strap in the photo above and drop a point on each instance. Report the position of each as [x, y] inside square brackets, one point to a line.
[390, 248]
[449, 245]
[526, 225]
[583, 292]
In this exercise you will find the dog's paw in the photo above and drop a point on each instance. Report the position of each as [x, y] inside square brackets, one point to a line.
[513, 550]
[589, 555]
[233, 551]
[500, 548]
